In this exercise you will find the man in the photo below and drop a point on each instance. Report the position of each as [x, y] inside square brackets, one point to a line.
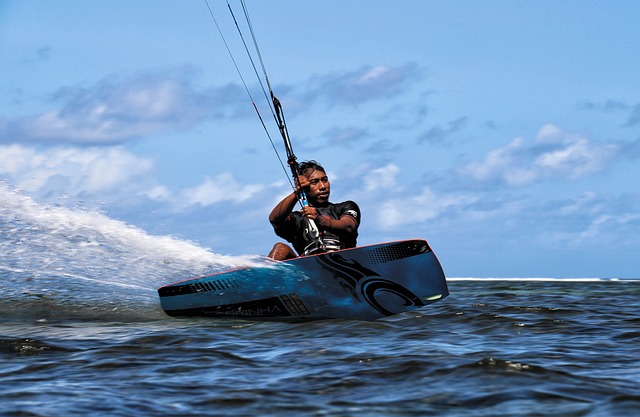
[337, 224]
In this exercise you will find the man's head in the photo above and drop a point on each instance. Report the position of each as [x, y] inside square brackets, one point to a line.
[319, 188]
[310, 165]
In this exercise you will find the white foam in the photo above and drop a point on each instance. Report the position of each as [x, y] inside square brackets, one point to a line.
[46, 239]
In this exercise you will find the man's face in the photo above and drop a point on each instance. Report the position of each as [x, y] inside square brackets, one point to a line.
[319, 188]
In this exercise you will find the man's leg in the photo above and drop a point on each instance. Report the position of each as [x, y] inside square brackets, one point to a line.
[281, 252]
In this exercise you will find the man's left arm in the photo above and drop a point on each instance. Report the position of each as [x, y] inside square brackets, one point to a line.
[347, 223]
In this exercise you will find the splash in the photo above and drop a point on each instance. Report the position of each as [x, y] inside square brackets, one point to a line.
[74, 259]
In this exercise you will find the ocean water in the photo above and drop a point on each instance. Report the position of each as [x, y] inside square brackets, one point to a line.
[82, 333]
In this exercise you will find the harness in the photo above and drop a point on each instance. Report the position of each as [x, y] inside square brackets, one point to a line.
[328, 244]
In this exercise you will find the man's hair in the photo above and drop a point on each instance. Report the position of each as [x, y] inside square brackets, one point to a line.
[307, 165]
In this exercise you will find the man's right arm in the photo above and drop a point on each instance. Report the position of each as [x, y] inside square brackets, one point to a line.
[282, 210]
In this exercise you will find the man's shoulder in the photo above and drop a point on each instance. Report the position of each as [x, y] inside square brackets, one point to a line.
[349, 208]
[345, 204]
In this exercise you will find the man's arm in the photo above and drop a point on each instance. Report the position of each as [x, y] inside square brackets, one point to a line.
[346, 224]
[283, 209]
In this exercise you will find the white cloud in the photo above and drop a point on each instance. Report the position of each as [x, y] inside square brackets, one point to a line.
[70, 170]
[593, 219]
[554, 153]
[364, 84]
[588, 202]
[221, 188]
[112, 173]
[417, 209]
[118, 109]
[439, 134]
[159, 192]
[618, 229]
[614, 226]
[383, 178]
[345, 136]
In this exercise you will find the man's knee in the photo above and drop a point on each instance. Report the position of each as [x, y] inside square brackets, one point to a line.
[280, 252]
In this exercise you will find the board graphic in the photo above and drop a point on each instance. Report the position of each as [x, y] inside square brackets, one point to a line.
[365, 283]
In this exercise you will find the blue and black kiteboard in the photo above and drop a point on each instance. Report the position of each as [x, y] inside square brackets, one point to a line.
[364, 283]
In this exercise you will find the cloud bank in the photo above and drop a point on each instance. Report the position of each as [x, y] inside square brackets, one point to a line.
[119, 109]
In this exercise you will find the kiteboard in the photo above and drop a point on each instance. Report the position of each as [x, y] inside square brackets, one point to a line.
[363, 283]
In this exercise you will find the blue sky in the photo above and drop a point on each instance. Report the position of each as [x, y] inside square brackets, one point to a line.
[506, 133]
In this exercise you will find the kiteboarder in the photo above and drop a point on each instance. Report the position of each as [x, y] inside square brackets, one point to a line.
[337, 224]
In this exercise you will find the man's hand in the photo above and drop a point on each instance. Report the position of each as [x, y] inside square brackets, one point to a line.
[310, 212]
[302, 184]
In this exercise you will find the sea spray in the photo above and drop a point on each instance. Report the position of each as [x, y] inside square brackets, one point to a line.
[56, 260]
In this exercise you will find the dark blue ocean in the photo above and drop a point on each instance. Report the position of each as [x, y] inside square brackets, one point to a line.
[82, 333]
